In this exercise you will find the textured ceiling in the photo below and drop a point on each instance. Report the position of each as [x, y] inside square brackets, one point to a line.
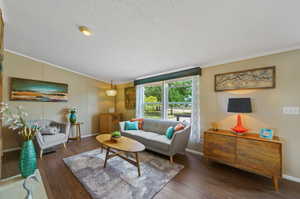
[134, 38]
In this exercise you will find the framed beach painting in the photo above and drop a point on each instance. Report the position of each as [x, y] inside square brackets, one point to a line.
[258, 78]
[40, 91]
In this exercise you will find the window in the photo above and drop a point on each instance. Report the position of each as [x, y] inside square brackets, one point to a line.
[170, 100]
[179, 100]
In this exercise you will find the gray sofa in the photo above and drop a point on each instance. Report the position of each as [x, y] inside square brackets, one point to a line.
[154, 139]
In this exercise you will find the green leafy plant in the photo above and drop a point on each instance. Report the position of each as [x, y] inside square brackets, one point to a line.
[116, 134]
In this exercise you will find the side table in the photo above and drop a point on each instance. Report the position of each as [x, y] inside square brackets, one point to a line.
[77, 131]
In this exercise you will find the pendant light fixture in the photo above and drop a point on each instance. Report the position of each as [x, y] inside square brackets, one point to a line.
[85, 30]
[111, 92]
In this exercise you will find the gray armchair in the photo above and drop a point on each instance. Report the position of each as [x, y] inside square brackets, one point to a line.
[47, 140]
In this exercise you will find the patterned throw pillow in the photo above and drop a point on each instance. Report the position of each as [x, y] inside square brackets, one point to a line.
[49, 131]
[140, 121]
[170, 132]
[131, 125]
[179, 127]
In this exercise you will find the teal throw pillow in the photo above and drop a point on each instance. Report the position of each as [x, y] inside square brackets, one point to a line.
[132, 125]
[170, 132]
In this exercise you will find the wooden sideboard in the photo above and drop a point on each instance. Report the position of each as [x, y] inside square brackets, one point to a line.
[109, 122]
[248, 152]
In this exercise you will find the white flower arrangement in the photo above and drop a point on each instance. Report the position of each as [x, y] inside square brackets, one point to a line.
[16, 120]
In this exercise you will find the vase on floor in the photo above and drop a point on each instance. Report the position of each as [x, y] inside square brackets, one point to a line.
[27, 162]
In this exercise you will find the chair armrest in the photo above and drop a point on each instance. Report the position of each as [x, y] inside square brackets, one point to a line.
[40, 139]
[67, 130]
[180, 141]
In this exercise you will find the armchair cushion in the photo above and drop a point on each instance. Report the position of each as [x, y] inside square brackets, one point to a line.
[52, 139]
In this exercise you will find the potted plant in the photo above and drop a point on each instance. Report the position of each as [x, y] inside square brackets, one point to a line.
[115, 136]
[16, 121]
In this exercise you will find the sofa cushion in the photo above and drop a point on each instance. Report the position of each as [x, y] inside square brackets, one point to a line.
[131, 125]
[170, 132]
[140, 121]
[160, 142]
[158, 126]
[149, 139]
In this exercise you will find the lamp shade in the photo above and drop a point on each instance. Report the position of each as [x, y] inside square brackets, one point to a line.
[111, 92]
[239, 105]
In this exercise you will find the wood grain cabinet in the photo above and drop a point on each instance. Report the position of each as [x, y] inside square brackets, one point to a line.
[248, 152]
[109, 122]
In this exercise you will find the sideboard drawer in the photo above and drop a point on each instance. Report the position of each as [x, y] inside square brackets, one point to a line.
[220, 147]
[259, 157]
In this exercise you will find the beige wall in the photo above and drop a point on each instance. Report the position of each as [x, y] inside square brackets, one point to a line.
[267, 103]
[86, 94]
[120, 102]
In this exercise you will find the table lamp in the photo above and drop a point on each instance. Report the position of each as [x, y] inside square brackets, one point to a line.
[239, 105]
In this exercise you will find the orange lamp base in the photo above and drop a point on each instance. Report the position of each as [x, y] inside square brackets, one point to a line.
[239, 127]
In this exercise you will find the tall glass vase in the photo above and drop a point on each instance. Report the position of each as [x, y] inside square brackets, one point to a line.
[27, 162]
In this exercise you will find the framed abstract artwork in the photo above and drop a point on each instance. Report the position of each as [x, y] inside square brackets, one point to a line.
[130, 98]
[40, 91]
[258, 78]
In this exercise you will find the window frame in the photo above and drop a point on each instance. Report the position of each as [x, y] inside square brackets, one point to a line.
[165, 96]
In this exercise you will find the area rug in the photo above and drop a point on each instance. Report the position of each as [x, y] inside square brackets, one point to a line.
[119, 180]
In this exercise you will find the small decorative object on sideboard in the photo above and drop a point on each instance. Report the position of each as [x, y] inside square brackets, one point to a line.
[16, 121]
[266, 133]
[239, 105]
[214, 126]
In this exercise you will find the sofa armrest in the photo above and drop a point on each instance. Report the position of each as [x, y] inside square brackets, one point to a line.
[122, 126]
[180, 141]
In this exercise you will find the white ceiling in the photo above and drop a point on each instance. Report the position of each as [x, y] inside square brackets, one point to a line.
[134, 38]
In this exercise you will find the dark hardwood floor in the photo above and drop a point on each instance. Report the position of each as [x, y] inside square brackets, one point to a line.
[200, 179]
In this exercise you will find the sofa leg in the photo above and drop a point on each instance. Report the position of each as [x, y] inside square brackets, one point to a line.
[41, 154]
[171, 159]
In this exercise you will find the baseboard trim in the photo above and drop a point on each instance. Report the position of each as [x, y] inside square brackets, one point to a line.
[194, 152]
[291, 178]
[89, 135]
[11, 149]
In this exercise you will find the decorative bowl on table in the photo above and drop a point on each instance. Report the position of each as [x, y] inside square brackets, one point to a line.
[115, 136]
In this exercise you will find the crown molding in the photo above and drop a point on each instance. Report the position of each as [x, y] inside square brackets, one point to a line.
[54, 65]
[255, 55]
[226, 61]
[178, 68]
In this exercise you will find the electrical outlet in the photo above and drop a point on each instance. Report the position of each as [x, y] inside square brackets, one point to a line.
[291, 110]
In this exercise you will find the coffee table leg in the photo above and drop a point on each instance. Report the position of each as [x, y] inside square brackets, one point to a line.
[106, 156]
[138, 163]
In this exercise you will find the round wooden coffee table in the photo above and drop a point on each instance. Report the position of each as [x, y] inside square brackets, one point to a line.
[121, 146]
